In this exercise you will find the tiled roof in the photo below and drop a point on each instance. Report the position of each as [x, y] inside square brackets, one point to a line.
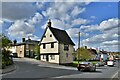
[61, 36]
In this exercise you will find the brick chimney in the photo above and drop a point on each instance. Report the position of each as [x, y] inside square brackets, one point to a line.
[23, 39]
[49, 23]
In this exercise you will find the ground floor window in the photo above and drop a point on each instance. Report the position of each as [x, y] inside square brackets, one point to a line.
[52, 57]
[44, 56]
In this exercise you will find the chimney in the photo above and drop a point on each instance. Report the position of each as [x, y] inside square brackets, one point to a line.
[49, 23]
[15, 41]
[23, 39]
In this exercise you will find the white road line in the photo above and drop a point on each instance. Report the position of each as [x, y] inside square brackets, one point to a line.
[115, 74]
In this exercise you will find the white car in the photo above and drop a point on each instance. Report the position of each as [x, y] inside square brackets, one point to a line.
[110, 63]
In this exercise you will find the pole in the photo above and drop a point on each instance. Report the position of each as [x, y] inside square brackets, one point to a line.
[78, 47]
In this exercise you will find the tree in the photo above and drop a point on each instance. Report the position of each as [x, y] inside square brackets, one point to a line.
[37, 51]
[84, 54]
[4, 41]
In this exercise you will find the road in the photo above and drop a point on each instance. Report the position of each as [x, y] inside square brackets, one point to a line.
[37, 70]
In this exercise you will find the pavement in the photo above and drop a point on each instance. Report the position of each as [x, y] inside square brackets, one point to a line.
[37, 70]
[47, 64]
[8, 69]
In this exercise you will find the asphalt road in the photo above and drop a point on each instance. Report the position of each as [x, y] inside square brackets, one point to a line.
[26, 69]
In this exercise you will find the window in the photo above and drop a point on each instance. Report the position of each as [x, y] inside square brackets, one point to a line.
[67, 55]
[44, 46]
[27, 46]
[66, 47]
[50, 35]
[44, 56]
[52, 57]
[44, 36]
[52, 45]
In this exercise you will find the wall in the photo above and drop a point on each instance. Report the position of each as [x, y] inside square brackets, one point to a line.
[63, 58]
[13, 49]
[20, 50]
[56, 59]
[48, 40]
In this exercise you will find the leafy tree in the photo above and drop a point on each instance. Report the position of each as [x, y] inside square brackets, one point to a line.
[84, 54]
[4, 44]
[37, 51]
[4, 41]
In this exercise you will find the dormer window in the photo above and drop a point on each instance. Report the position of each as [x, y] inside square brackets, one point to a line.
[50, 35]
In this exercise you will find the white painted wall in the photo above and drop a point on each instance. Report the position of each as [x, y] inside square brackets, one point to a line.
[42, 58]
[48, 46]
[13, 49]
[56, 59]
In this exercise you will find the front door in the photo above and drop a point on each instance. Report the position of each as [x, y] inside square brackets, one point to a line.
[47, 58]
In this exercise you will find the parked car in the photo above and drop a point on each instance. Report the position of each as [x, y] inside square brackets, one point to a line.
[86, 66]
[14, 55]
[98, 64]
[110, 63]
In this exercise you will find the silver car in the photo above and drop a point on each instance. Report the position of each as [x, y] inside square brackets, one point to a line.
[86, 66]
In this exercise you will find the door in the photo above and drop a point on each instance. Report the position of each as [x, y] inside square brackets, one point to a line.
[47, 58]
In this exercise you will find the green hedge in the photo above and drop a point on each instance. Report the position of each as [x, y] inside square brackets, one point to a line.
[6, 61]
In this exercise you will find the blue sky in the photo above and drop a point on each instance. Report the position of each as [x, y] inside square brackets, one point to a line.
[97, 21]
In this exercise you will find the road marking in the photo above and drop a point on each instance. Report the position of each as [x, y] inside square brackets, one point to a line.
[115, 74]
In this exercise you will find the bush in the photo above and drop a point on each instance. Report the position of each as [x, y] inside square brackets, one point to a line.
[6, 61]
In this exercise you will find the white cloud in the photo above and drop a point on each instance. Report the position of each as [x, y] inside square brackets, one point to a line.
[88, 28]
[113, 42]
[57, 24]
[108, 24]
[33, 37]
[20, 28]
[14, 10]
[103, 26]
[73, 32]
[36, 18]
[80, 21]
[76, 11]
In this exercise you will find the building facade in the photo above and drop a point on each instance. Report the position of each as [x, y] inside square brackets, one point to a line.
[27, 48]
[56, 46]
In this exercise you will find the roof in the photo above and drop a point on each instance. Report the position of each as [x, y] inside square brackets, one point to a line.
[26, 42]
[60, 35]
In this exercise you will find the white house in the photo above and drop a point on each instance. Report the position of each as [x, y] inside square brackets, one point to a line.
[56, 46]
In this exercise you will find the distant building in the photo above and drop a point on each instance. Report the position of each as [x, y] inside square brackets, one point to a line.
[56, 46]
[25, 48]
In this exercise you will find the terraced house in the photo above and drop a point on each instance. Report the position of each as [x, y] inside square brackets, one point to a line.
[56, 46]
[26, 48]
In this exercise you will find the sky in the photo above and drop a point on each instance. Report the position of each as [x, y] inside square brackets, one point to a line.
[96, 21]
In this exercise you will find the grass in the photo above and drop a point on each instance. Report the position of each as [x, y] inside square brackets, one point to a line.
[76, 62]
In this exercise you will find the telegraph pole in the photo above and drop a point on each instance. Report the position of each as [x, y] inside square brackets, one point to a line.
[78, 47]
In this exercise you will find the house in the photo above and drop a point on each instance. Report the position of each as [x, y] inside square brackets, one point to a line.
[56, 46]
[102, 55]
[25, 49]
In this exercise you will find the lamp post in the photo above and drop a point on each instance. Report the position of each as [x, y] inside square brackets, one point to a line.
[78, 47]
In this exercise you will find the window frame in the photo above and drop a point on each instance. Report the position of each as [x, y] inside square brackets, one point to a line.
[52, 57]
[44, 56]
[50, 35]
[44, 46]
[52, 45]
[66, 47]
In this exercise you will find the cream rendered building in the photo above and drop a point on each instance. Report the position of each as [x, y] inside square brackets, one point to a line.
[56, 46]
